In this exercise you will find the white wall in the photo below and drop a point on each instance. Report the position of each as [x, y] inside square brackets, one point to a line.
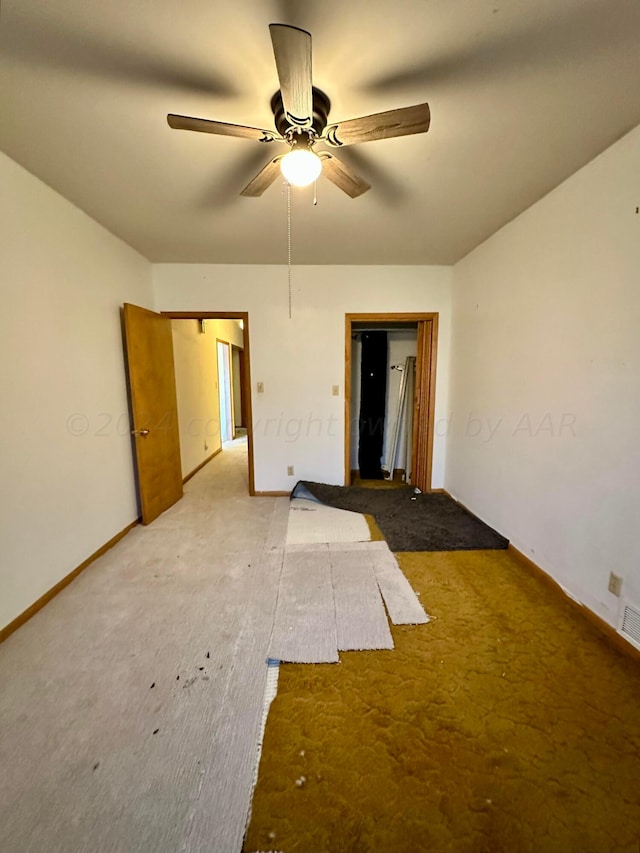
[196, 364]
[297, 421]
[65, 454]
[545, 394]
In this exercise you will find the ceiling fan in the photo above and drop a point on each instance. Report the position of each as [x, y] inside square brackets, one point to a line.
[301, 112]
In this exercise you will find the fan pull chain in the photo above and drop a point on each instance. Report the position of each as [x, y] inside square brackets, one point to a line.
[315, 193]
[289, 242]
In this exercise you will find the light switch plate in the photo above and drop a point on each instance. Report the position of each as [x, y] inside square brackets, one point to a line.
[260, 387]
[336, 391]
[615, 584]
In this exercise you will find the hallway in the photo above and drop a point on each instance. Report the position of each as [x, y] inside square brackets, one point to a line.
[131, 705]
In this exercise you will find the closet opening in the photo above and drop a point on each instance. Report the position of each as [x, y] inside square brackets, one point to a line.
[389, 385]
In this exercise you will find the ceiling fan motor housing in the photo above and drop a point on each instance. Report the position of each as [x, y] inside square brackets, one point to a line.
[321, 109]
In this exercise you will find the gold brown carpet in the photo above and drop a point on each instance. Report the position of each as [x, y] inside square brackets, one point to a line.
[508, 724]
[378, 484]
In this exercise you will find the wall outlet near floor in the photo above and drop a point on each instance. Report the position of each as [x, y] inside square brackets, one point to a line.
[290, 470]
[615, 584]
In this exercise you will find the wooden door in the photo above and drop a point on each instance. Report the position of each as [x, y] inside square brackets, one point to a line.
[154, 410]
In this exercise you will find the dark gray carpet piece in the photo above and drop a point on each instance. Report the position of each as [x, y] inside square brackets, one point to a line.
[410, 522]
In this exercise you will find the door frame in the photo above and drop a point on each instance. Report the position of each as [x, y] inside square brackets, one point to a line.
[243, 412]
[246, 379]
[424, 395]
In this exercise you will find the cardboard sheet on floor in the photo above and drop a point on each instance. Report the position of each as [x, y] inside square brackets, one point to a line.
[402, 603]
[361, 621]
[304, 628]
[313, 522]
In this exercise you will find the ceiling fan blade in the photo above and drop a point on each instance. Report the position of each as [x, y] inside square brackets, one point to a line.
[263, 179]
[342, 175]
[402, 122]
[292, 50]
[221, 128]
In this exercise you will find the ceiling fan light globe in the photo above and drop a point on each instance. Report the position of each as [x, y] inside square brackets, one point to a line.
[300, 167]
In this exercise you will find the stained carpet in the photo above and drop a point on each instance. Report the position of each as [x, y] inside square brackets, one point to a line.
[410, 522]
[131, 705]
[509, 726]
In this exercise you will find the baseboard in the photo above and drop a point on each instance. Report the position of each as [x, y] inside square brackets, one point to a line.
[271, 494]
[46, 598]
[201, 466]
[609, 632]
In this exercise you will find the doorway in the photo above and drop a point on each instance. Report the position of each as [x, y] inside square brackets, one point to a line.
[383, 361]
[155, 420]
[242, 382]
[390, 364]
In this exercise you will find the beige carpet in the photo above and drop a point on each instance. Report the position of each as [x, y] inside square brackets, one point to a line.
[130, 706]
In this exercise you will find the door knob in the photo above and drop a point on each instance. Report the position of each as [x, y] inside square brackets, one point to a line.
[141, 432]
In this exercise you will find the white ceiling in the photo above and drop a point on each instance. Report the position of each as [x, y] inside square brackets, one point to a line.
[522, 93]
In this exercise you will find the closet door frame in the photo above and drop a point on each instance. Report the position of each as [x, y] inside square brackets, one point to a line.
[424, 395]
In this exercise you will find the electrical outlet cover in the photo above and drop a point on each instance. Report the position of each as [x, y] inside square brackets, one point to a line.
[615, 584]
